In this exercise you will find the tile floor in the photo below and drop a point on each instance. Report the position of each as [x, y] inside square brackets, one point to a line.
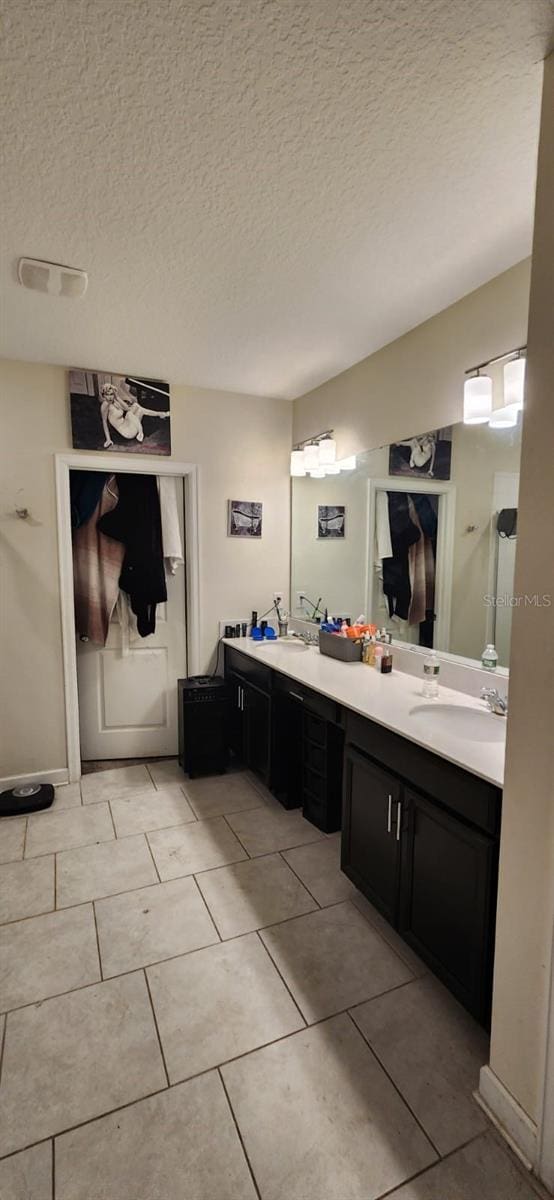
[195, 1004]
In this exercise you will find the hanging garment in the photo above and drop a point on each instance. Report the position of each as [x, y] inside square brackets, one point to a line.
[97, 563]
[136, 522]
[383, 543]
[396, 572]
[85, 490]
[172, 541]
[416, 562]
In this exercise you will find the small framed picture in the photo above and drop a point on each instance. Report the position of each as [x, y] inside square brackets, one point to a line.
[244, 518]
[330, 520]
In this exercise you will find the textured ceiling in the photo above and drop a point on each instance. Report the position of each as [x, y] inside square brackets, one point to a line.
[262, 191]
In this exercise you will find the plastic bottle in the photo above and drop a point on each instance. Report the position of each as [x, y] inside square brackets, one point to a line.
[489, 658]
[431, 668]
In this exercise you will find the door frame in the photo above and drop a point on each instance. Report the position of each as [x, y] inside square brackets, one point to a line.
[114, 463]
[445, 546]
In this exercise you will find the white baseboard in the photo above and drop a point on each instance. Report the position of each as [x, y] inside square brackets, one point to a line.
[510, 1119]
[60, 775]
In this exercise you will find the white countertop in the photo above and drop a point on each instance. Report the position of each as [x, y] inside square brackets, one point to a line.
[385, 699]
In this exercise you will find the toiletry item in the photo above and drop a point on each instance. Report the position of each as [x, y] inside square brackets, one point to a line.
[254, 619]
[360, 620]
[263, 627]
[257, 635]
[343, 629]
[431, 668]
[368, 654]
[379, 651]
[244, 628]
[237, 630]
[283, 628]
[489, 658]
[385, 661]
[229, 631]
[269, 633]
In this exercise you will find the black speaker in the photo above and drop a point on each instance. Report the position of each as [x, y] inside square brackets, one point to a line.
[203, 715]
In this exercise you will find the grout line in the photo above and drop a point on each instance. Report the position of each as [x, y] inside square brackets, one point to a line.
[25, 837]
[112, 820]
[394, 1084]
[205, 903]
[239, 1134]
[282, 978]
[300, 880]
[155, 1019]
[53, 1168]
[236, 835]
[97, 941]
[145, 836]
[55, 882]
[2, 1044]
[391, 1192]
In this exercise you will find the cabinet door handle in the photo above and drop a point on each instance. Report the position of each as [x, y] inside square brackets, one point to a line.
[398, 820]
[238, 695]
[389, 815]
[296, 696]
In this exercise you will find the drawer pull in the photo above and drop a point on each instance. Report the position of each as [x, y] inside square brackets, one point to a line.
[389, 815]
[398, 820]
[296, 696]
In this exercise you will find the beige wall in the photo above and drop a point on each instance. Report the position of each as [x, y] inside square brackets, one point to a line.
[241, 444]
[416, 382]
[526, 890]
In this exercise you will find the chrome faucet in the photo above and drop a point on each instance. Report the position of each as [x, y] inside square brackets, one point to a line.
[497, 704]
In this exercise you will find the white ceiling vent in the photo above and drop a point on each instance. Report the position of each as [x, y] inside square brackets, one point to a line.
[52, 278]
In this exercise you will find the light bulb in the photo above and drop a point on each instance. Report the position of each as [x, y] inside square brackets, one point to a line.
[311, 456]
[327, 450]
[317, 473]
[514, 381]
[505, 417]
[297, 467]
[477, 400]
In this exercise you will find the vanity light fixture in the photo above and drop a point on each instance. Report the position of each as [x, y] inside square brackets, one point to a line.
[514, 381]
[327, 450]
[311, 456]
[478, 391]
[348, 464]
[477, 399]
[315, 456]
[297, 468]
[505, 417]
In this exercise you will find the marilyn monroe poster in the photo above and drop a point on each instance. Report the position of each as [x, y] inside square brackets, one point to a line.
[119, 412]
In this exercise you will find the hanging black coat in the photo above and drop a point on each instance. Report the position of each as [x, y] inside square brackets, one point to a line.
[396, 570]
[136, 521]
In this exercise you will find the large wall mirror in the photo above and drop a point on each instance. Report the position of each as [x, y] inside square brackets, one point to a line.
[419, 536]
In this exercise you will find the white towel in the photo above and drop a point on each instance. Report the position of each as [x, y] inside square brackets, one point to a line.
[382, 528]
[171, 531]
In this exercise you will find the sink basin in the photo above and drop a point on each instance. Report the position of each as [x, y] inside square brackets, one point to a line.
[461, 721]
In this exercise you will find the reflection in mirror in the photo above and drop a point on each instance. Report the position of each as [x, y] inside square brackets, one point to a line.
[420, 538]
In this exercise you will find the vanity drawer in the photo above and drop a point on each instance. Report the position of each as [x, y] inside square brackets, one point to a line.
[315, 729]
[255, 672]
[316, 704]
[315, 784]
[315, 756]
[465, 794]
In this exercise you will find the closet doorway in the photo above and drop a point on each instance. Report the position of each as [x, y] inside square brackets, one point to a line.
[121, 697]
[128, 686]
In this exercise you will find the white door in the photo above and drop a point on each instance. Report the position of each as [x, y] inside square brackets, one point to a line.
[128, 688]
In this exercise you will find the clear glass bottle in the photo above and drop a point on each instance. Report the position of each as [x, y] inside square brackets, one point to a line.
[431, 669]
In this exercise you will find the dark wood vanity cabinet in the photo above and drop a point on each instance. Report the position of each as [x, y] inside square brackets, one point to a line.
[429, 869]
[249, 733]
[370, 831]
